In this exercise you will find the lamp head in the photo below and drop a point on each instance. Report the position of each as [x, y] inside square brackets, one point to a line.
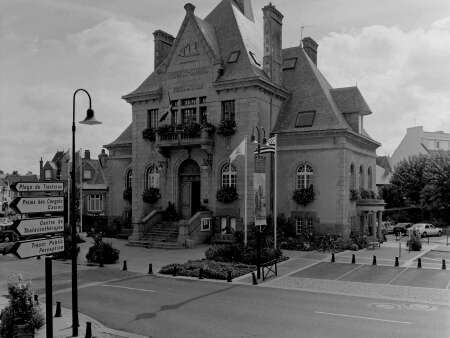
[90, 118]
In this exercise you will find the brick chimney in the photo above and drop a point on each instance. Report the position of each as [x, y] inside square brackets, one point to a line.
[310, 46]
[87, 154]
[163, 44]
[103, 158]
[273, 23]
[41, 169]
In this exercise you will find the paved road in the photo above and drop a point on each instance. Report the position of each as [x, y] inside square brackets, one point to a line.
[165, 307]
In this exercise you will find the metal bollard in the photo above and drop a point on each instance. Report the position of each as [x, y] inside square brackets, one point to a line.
[353, 259]
[229, 277]
[396, 262]
[58, 313]
[88, 330]
[374, 261]
[36, 299]
[150, 269]
[254, 281]
[419, 263]
[333, 259]
[200, 273]
[101, 263]
[444, 267]
[174, 270]
[38, 257]
[124, 266]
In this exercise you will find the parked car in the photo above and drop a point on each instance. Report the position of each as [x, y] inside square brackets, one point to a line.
[402, 228]
[426, 229]
[7, 234]
[388, 226]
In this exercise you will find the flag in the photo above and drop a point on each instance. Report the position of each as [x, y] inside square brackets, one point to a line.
[269, 147]
[169, 109]
[240, 150]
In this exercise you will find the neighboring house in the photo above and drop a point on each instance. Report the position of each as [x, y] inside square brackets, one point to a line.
[90, 172]
[417, 141]
[225, 70]
[383, 172]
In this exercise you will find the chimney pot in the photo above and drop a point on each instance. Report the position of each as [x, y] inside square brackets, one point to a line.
[163, 44]
[87, 154]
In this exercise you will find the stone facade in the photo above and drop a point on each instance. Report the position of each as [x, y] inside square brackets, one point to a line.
[226, 60]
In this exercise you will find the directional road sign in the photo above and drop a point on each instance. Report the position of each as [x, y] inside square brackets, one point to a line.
[38, 186]
[39, 247]
[28, 205]
[39, 226]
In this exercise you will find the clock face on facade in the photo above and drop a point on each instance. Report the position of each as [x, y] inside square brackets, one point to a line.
[190, 48]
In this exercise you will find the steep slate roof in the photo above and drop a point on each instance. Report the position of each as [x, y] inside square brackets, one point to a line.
[309, 91]
[236, 32]
[124, 138]
[21, 178]
[350, 100]
[383, 162]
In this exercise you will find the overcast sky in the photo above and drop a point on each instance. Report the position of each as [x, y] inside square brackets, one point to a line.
[398, 53]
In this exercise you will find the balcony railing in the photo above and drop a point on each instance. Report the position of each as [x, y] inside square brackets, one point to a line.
[185, 138]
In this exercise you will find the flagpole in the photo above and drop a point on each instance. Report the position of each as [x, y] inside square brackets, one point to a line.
[245, 193]
[275, 207]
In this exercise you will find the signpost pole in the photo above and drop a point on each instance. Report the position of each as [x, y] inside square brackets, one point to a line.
[48, 297]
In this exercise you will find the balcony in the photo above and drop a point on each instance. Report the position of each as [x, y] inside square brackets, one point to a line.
[183, 136]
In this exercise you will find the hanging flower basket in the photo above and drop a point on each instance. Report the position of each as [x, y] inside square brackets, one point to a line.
[127, 194]
[149, 134]
[227, 128]
[191, 129]
[151, 195]
[354, 195]
[304, 196]
[166, 130]
[227, 194]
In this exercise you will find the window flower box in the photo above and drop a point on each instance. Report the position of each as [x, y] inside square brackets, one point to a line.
[227, 128]
[149, 134]
[304, 196]
[151, 195]
[354, 195]
[227, 194]
[127, 193]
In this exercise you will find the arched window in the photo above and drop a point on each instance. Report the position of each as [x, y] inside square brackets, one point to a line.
[129, 179]
[229, 175]
[352, 177]
[361, 177]
[304, 176]
[152, 177]
[369, 178]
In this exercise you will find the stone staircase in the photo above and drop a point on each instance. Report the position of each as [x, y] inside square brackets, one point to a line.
[163, 235]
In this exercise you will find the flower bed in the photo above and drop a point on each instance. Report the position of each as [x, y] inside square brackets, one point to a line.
[211, 269]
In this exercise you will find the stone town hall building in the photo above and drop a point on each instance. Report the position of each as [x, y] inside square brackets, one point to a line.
[212, 84]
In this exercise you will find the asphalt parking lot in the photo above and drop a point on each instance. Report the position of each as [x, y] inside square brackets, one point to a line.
[427, 278]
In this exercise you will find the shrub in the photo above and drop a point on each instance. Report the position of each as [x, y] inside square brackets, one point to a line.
[240, 254]
[127, 193]
[365, 194]
[166, 130]
[304, 196]
[227, 128]
[354, 247]
[20, 310]
[149, 134]
[227, 194]
[102, 252]
[191, 129]
[151, 195]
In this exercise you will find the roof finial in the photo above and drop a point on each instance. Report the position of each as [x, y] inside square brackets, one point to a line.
[190, 8]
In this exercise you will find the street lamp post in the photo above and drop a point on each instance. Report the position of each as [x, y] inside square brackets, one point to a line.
[90, 119]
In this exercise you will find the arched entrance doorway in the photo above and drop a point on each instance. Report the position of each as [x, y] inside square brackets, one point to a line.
[189, 178]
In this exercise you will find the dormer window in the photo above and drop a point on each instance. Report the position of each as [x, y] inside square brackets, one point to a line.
[87, 174]
[305, 119]
[360, 124]
[253, 55]
[234, 56]
[289, 63]
[48, 174]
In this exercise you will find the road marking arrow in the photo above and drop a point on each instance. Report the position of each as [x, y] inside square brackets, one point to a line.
[37, 226]
[26, 205]
[39, 247]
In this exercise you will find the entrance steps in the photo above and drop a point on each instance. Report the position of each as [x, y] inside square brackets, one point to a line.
[162, 236]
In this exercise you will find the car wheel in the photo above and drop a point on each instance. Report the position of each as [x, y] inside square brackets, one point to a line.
[424, 234]
[440, 233]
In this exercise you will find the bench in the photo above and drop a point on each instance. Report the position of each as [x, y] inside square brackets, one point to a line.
[372, 245]
[269, 267]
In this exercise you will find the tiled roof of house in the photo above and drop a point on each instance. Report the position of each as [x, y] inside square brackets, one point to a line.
[310, 91]
[350, 100]
[124, 138]
[20, 178]
[383, 162]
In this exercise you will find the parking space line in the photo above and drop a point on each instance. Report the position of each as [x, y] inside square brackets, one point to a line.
[349, 272]
[361, 317]
[128, 288]
[395, 277]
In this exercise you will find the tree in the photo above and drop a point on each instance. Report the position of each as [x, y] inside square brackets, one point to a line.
[392, 196]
